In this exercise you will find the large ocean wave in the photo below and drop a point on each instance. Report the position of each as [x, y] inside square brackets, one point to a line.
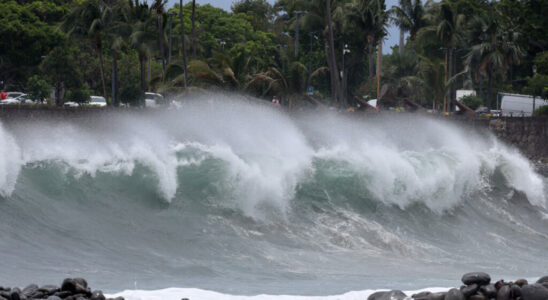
[223, 192]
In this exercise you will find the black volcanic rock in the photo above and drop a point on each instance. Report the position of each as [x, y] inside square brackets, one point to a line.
[469, 290]
[479, 278]
[534, 292]
[503, 293]
[489, 290]
[454, 294]
[390, 295]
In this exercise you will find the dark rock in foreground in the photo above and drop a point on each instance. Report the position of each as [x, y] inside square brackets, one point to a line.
[70, 289]
[478, 286]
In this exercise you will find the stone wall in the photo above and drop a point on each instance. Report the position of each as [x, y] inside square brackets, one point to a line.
[530, 135]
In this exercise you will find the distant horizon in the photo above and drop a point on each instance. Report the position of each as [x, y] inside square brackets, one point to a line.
[391, 39]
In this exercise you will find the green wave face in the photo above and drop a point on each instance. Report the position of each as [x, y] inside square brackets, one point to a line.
[240, 198]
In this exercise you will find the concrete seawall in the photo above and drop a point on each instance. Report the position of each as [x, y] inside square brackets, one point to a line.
[529, 135]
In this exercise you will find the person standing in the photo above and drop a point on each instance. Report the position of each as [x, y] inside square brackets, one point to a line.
[3, 95]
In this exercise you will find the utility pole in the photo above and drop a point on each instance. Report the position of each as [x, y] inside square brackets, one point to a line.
[171, 15]
[297, 15]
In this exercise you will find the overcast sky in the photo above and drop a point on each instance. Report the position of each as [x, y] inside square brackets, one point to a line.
[391, 40]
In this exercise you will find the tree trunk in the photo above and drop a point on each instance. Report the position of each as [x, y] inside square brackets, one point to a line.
[379, 69]
[332, 76]
[335, 70]
[142, 63]
[193, 29]
[450, 72]
[115, 100]
[401, 41]
[161, 43]
[371, 61]
[183, 42]
[102, 70]
[445, 83]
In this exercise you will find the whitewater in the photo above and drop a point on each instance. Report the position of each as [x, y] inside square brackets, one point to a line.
[229, 199]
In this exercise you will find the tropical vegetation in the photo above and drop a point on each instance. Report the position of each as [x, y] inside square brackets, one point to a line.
[121, 48]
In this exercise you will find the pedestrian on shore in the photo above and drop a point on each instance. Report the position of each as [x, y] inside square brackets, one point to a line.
[275, 101]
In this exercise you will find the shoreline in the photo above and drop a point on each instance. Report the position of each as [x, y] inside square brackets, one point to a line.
[476, 286]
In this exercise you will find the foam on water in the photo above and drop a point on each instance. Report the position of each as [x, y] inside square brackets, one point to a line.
[179, 293]
[267, 201]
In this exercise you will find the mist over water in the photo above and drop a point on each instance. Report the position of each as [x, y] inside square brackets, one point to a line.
[242, 198]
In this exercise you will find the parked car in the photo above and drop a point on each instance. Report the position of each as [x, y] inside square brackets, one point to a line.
[71, 104]
[98, 101]
[9, 101]
[14, 94]
[154, 100]
[93, 101]
[495, 113]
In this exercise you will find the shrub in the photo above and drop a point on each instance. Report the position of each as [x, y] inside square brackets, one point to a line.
[542, 111]
[81, 94]
[472, 101]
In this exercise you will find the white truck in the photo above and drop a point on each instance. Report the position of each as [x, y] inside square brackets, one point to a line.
[516, 105]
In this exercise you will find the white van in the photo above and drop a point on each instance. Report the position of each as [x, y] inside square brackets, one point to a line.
[516, 105]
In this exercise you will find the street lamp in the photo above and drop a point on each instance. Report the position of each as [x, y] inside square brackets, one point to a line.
[297, 15]
[343, 94]
[171, 15]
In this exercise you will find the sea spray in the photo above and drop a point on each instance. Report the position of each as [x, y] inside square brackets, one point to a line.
[223, 188]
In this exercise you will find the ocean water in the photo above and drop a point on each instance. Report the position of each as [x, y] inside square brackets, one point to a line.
[227, 199]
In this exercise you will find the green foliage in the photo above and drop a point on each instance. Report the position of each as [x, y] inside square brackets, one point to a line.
[79, 94]
[28, 32]
[537, 86]
[541, 111]
[541, 61]
[38, 88]
[472, 101]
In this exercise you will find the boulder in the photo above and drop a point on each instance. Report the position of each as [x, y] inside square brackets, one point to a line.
[543, 279]
[503, 293]
[515, 291]
[81, 281]
[477, 297]
[454, 294]
[97, 295]
[30, 289]
[479, 278]
[68, 285]
[521, 282]
[534, 292]
[389, 295]
[53, 298]
[437, 296]
[421, 296]
[489, 290]
[469, 290]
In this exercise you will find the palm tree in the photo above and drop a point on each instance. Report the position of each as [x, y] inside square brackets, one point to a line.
[494, 48]
[183, 42]
[448, 26]
[409, 17]
[86, 20]
[158, 7]
[193, 19]
[118, 30]
[371, 18]
[143, 35]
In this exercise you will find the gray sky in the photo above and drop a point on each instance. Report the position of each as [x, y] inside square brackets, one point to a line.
[391, 40]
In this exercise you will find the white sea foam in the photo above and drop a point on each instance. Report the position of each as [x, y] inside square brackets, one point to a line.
[268, 154]
[10, 162]
[193, 294]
